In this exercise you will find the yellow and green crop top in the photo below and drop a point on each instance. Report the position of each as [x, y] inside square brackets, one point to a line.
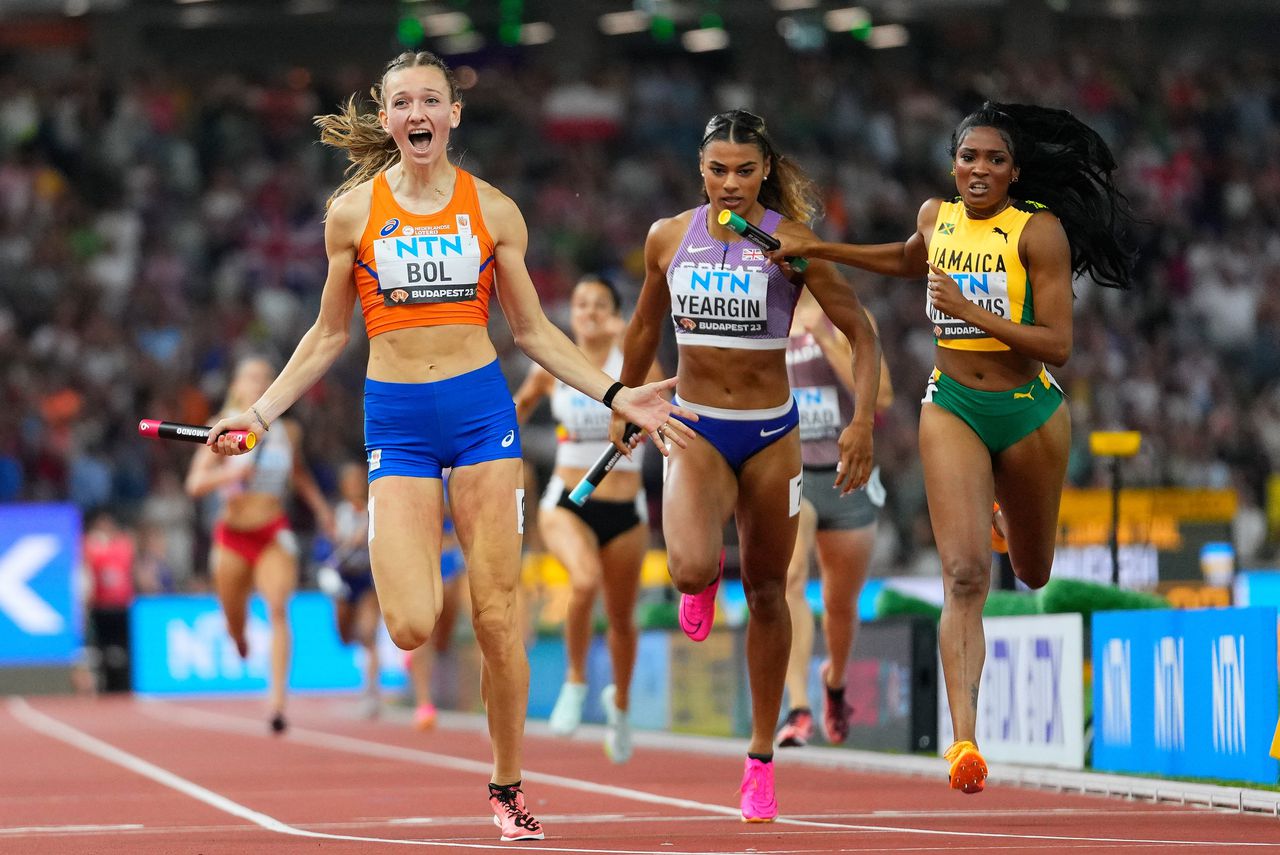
[982, 256]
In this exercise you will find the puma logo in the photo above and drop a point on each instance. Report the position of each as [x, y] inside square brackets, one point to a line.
[1001, 232]
[1029, 395]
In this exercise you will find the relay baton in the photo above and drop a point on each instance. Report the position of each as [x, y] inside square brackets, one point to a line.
[603, 465]
[759, 237]
[156, 429]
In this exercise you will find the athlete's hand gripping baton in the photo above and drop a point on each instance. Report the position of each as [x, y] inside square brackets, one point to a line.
[156, 429]
[759, 237]
[603, 465]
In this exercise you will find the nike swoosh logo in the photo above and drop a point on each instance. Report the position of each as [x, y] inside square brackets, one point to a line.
[764, 433]
[699, 248]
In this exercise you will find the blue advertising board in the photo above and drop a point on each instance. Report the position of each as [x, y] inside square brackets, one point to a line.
[650, 679]
[41, 618]
[179, 645]
[1186, 692]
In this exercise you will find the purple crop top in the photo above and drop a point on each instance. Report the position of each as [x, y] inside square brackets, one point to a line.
[729, 294]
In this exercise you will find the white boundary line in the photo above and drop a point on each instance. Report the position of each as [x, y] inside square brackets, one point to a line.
[49, 726]
[337, 742]
[1155, 790]
[68, 829]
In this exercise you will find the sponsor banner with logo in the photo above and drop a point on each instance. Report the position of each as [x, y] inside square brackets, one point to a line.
[41, 617]
[650, 680]
[1031, 699]
[1186, 692]
[180, 646]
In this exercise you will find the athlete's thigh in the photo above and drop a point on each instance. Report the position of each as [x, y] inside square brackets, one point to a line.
[1028, 481]
[844, 556]
[231, 572]
[699, 491]
[959, 487]
[487, 501]
[802, 553]
[768, 510]
[404, 537]
[276, 573]
[621, 560]
[573, 544]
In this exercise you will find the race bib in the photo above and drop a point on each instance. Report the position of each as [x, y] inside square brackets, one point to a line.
[988, 290]
[716, 301]
[427, 268]
[586, 419]
[819, 412]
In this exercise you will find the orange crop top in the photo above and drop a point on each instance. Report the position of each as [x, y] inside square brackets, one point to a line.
[424, 270]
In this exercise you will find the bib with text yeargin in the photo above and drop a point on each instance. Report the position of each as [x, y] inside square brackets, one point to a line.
[435, 268]
[711, 300]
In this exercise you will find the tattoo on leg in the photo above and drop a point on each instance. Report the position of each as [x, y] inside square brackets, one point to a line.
[973, 695]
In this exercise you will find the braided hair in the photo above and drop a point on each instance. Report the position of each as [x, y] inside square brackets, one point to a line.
[1066, 166]
[788, 191]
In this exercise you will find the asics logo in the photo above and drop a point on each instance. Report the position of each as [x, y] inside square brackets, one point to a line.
[765, 433]
[699, 248]
[1029, 395]
[508, 439]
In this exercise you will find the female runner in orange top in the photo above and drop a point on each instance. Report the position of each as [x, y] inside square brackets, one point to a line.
[419, 241]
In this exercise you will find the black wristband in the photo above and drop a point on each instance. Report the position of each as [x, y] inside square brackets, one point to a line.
[607, 400]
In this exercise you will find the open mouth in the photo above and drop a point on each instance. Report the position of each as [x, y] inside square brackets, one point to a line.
[420, 140]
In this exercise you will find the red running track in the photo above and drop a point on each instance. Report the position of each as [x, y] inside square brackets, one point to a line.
[205, 778]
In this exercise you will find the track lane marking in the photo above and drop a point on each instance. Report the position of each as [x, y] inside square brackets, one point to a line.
[170, 712]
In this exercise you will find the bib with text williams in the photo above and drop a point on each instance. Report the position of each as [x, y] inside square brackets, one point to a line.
[990, 290]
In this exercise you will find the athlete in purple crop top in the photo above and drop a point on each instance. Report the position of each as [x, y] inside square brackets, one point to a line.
[731, 311]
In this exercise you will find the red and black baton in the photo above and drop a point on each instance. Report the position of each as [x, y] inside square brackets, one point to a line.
[156, 429]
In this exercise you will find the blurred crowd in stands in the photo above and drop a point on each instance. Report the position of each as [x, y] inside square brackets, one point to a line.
[157, 224]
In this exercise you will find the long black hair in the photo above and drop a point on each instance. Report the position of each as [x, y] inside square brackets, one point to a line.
[1067, 167]
[788, 190]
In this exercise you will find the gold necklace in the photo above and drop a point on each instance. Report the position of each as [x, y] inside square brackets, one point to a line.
[1008, 200]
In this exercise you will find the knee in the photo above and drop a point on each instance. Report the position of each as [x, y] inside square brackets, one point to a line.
[965, 577]
[621, 622]
[767, 599]
[690, 577]
[495, 628]
[582, 594]
[1034, 575]
[837, 610]
[407, 631]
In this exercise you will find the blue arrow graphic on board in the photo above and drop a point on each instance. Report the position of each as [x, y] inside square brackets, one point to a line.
[18, 565]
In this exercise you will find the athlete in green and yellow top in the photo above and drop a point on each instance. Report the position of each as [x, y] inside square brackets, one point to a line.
[982, 255]
[1037, 204]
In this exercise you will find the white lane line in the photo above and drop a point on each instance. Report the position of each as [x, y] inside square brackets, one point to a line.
[69, 829]
[338, 742]
[49, 726]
